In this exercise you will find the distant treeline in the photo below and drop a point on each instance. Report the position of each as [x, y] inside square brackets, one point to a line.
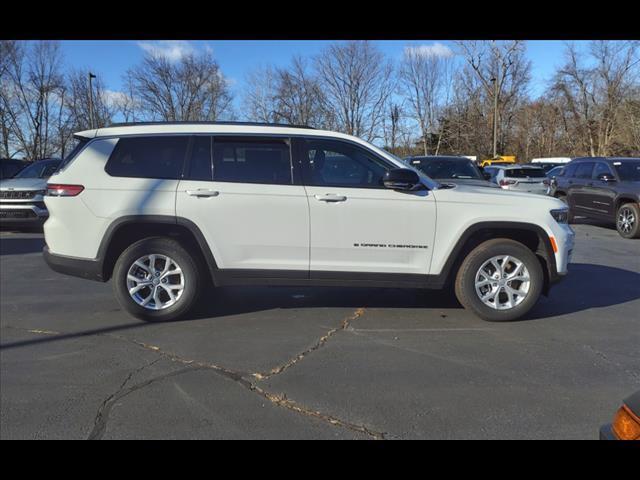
[434, 100]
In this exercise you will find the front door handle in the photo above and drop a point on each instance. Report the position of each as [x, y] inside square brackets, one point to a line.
[203, 192]
[329, 197]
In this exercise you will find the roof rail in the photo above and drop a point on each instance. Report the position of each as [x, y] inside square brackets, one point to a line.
[259, 124]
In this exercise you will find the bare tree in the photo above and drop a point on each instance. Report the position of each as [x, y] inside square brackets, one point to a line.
[192, 88]
[259, 98]
[425, 80]
[7, 138]
[298, 96]
[285, 95]
[504, 61]
[595, 94]
[357, 82]
[32, 97]
[78, 99]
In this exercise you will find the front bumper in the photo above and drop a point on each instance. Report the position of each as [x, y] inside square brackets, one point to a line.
[13, 213]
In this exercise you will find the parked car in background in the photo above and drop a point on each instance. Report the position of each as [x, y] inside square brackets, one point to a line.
[550, 163]
[442, 168]
[521, 178]
[626, 422]
[10, 166]
[551, 175]
[603, 188]
[499, 160]
[21, 197]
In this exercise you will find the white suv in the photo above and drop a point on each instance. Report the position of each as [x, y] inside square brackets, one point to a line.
[165, 209]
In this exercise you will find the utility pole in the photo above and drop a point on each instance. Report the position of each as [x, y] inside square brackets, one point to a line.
[91, 119]
[495, 117]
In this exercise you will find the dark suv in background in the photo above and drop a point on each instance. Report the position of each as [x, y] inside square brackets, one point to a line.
[604, 189]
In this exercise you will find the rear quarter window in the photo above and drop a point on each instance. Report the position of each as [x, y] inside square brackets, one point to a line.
[148, 157]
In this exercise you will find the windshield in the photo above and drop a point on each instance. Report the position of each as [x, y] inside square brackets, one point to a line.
[524, 173]
[628, 171]
[42, 169]
[448, 169]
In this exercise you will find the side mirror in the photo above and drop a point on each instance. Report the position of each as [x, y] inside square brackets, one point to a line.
[401, 179]
[486, 175]
[606, 177]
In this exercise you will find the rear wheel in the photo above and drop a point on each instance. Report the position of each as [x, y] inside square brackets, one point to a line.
[628, 220]
[500, 280]
[156, 279]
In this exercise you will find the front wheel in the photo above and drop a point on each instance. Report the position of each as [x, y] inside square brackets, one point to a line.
[156, 279]
[628, 220]
[499, 280]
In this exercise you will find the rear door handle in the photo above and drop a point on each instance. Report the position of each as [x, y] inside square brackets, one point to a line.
[329, 197]
[203, 192]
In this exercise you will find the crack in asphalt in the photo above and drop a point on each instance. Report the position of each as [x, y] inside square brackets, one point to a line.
[241, 379]
[100, 422]
[346, 323]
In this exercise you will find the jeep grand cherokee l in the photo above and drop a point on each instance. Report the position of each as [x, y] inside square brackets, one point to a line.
[165, 209]
[21, 197]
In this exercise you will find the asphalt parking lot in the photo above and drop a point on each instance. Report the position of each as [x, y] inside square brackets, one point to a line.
[289, 363]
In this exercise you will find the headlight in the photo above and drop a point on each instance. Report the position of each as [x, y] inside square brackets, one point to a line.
[560, 215]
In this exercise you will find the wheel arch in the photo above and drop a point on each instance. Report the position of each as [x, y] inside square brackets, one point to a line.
[124, 231]
[531, 235]
[622, 199]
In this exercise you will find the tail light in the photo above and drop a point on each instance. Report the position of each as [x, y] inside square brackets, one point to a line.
[504, 182]
[59, 190]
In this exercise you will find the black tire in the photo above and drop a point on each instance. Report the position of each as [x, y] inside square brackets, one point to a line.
[465, 279]
[633, 231]
[193, 279]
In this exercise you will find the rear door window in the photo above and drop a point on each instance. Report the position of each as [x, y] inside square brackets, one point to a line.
[584, 170]
[252, 161]
[148, 157]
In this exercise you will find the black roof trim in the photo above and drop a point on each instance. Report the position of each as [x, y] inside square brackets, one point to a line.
[253, 124]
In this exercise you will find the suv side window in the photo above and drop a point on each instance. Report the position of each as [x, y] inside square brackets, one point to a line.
[570, 170]
[331, 163]
[600, 169]
[584, 170]
[252, 161]
[148, 157]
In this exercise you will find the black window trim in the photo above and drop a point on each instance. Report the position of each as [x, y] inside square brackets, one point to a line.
[293, 138]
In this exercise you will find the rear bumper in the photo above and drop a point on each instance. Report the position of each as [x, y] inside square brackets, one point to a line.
[77, 267]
